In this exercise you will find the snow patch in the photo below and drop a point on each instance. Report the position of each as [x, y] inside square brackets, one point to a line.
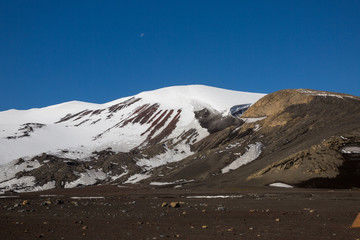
[46, 186]
[115, 177]
[80, 198]
[161, 183]
[257, 127]
[137, 178]
[252, 120]
[90, 177]
[23, 184]
[179, 152]
[232, 145]
[8, 171]
[324, 94]
[216, 196]
[351, 150]
[170, 183]
[51, 195]
[252, 153]
[283, 185]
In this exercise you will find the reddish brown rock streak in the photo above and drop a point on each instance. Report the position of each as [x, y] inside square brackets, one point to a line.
[113, 108]
[151, 119]
[142, 114]
[168, 129]
[69, 116]
[84, 113]
[122, 105]
[156, 125]
[147, 114]
[97, 112]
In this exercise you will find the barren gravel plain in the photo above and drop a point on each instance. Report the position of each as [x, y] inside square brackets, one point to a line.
[138, 212]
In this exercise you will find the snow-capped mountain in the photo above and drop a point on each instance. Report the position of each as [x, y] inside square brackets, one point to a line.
[185, 137]
[78, 143]
[76, 129]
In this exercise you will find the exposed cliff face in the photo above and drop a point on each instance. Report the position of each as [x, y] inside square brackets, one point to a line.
[276, 103]
[325, 160]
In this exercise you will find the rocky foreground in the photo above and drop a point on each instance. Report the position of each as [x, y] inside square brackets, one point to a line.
[134, 212]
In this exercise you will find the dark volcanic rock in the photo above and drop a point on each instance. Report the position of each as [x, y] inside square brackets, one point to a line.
[214, 121]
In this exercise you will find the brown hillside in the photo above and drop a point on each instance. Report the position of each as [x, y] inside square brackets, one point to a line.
[302, 135]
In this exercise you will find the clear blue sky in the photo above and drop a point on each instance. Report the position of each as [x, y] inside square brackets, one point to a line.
[98, 51]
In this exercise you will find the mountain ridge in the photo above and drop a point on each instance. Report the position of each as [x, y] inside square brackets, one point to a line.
[190, 144]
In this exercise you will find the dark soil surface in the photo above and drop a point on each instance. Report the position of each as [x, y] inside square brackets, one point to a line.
[134, 212]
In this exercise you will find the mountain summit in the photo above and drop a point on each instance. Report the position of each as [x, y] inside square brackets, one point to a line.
[79, 128]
